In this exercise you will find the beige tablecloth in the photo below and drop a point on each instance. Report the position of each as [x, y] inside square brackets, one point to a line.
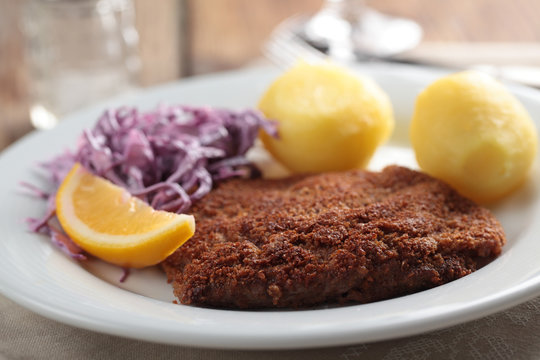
[512, 334]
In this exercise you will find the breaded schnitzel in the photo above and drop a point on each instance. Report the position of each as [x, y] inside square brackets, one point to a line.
[355, 236]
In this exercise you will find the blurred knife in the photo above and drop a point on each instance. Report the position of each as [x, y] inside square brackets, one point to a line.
[518, 62]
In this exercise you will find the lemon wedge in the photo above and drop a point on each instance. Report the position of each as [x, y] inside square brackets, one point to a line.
[109, 223]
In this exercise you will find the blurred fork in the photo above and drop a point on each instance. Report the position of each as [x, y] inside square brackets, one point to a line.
[284, 47]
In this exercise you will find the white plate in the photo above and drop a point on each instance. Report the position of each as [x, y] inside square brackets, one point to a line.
[39, 277]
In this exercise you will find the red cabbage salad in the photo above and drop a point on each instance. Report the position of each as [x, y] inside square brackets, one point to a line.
[169, 157]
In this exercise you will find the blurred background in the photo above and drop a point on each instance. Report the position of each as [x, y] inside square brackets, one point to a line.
[171, 39]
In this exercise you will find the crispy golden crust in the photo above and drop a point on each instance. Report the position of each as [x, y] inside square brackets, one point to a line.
[332, 238]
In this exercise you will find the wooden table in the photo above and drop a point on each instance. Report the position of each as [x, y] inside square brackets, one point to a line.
[201, 36]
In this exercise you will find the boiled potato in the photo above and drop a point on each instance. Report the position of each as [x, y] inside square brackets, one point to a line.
[328, 118]
[468, 130]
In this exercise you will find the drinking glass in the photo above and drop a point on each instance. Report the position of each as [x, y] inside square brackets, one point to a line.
[78, 52]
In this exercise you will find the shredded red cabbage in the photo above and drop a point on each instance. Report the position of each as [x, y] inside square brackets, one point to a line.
[169, 157]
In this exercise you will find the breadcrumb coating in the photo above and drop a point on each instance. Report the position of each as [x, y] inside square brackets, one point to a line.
[333, 238]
